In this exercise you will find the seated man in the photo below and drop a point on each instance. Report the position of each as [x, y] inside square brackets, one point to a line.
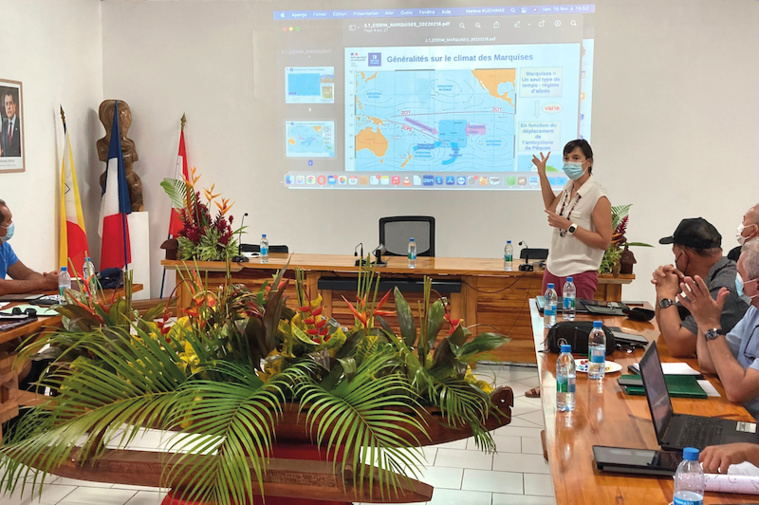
[23, 279]
[696, 245]
[747, 230]
[718, 458]
[729, 354]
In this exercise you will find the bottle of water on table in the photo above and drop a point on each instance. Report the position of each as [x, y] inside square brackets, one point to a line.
[264, 249]
[565, 380]
[597, 352]
[64, 282]
[508, 256]
[689, 480]
[88, 273]
[569, 297]
[411, 253]
[549, 310]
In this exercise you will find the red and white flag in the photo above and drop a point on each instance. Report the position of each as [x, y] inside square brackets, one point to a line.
[175, 223]
[115, 205]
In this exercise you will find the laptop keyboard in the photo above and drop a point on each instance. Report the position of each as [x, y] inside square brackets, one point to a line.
[701, 432]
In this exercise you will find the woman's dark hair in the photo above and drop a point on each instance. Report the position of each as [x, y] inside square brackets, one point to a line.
[584, 147]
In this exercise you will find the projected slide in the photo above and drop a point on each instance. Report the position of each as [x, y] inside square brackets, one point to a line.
[311, 139]
[457, 97]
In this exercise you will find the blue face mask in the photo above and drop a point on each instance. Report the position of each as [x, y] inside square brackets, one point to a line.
[739, 289]
[8, 233]
[573, 170]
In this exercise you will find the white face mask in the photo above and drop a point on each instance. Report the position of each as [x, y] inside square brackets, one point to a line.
[738, 233]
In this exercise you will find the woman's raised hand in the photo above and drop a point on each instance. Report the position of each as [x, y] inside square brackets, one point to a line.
[540, 163]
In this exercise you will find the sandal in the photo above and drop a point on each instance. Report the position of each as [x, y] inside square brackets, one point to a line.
[533, 393]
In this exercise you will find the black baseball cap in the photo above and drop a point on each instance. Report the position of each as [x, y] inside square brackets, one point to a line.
[695, 232]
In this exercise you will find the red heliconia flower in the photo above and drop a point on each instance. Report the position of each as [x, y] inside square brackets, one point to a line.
[317, 311]
[323, 331]
[320, 323]
[309, 320]
[312, 331]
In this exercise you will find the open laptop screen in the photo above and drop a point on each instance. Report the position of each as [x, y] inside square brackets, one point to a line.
[656, 390]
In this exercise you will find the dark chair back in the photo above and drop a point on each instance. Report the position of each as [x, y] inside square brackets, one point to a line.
[395, 232]
[273, 249]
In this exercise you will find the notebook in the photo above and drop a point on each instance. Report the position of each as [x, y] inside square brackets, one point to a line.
[683, 386]
[678, 431]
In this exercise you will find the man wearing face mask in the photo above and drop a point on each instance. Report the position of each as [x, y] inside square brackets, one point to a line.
[747, 230]
[23, 279]
[696, 245]
[731, 354]
[580, 216]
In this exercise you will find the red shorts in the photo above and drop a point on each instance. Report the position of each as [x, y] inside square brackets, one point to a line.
[585, 282]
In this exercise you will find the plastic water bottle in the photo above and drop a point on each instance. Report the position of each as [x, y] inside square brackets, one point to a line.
[569, 296]
[565, 380]
[88, 273]
[64, 282]
[549, 311]
[508, 256]
[597, 352]
[689, 480]
[411, 253]
[264, 249]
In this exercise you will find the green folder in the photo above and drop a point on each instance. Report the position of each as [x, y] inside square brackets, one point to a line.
[684, 386]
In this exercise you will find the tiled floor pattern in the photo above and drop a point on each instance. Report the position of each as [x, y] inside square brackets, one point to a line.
[461, 475]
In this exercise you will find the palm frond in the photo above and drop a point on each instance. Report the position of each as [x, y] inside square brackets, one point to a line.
[370, 417]
[177, 191]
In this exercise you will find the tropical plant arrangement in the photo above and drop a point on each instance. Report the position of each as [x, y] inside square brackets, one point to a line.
[611, 261]
[228, 369]
[202, 237]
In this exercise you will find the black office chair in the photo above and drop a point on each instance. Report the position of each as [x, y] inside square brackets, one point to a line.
[255, 248]
[395, 232]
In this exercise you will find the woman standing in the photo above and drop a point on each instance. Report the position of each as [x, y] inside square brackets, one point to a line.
[580, 216]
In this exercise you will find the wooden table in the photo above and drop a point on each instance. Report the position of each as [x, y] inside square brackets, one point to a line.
[604, 415]
[478, 289]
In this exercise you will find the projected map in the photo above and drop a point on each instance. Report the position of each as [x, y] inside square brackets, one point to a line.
[435, 120]
[310, 139]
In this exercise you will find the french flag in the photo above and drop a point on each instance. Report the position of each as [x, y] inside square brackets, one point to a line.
[114, 206]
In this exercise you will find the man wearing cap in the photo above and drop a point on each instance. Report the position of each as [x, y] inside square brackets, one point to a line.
[696, 245]
[747, 230]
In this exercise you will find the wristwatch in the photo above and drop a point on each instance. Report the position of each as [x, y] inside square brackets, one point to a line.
[666, 302]
[572, 229]
[713, 333]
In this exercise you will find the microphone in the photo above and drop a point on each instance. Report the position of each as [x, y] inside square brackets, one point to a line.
[240, 258]
[378, 252]
[526, 267]
[360, 261]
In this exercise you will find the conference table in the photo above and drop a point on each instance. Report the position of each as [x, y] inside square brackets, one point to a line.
[605, 415]
[478, 290]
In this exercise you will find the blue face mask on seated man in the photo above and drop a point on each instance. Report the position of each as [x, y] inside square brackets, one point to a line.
[573, 170]
[739, 289]
[8, 233]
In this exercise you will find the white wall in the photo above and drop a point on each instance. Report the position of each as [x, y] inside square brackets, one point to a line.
[55, 49]
[674, 128]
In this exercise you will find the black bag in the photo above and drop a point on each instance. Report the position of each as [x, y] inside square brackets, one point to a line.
[575, 333]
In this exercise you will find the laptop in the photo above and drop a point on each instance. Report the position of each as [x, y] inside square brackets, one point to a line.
[678, 431]
[583, 306]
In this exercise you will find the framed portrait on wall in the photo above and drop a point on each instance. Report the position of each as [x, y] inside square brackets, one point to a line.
[12, 132]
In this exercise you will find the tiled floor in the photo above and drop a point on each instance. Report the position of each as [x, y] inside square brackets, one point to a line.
[461, 475]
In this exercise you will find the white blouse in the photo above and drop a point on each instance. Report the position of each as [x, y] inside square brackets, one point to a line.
[568, 255]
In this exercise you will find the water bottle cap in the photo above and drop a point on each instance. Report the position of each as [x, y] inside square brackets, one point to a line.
[690, 454]
[263, 235]
[87, 259]
[569, 279]
[64, 269]
[566, 348]
[411, 239]
[597, 324]
[508, 241]
[550, 285]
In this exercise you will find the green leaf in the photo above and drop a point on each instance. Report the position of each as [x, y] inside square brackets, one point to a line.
[405, 318]
[435, 321]
[176, 189]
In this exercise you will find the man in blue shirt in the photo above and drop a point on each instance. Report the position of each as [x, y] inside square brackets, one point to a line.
[731, 355]
[22, 278]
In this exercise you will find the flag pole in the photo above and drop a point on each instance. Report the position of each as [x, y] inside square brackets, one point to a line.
[182, 122]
